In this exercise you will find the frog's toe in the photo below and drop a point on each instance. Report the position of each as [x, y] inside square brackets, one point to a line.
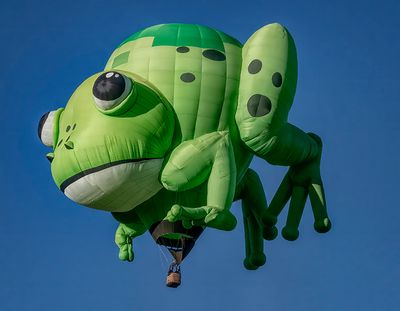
[221, 220]
[254, 261]
[323, 225]
[270, 233]
[126, 253]
[175, 213]
[290, 234]
[258, 259]
[249, 265]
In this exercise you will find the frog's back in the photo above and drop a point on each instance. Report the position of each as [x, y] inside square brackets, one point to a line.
[196, 68]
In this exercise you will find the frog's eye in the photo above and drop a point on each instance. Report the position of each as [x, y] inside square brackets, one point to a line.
[110, 89]
[45, 128]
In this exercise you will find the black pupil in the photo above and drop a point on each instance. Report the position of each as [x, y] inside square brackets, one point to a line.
[109, 86]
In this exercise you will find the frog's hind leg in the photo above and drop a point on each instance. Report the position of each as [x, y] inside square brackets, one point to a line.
[266, 92]
[254, 205]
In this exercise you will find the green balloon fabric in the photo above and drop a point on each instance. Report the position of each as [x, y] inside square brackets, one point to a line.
[166, 132]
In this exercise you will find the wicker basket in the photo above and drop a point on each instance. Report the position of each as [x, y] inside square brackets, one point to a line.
[173, 279]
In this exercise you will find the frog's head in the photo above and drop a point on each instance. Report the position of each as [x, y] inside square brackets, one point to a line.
[109, 142]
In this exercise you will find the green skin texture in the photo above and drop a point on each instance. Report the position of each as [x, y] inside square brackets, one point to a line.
[203, 130]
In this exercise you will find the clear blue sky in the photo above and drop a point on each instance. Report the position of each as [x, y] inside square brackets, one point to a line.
[56, 255]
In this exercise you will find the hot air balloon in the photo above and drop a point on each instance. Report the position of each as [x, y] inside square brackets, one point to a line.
[179, 241]
[163, 138]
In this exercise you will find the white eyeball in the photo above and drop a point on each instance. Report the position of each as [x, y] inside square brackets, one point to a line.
[110, 89]
[45, 128]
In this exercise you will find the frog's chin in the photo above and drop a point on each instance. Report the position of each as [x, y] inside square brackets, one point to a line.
[115, 187]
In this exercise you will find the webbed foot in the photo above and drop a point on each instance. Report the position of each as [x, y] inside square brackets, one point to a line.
[202, 216]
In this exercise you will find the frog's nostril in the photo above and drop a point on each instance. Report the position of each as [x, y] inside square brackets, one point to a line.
[69, 145]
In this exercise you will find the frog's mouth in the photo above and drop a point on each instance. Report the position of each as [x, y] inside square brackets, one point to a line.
[117, 186]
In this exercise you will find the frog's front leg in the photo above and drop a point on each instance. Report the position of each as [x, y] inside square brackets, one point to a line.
[267, 87]
[206, 158]
[130, 227]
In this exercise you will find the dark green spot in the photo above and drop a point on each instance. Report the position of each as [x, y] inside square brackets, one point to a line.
[68, 128]
[277, 79]
[258, 105]
[187, 77]
[255, 66]
[69, 145]
[59, 143]
[74, 126]
[182, 49]
[214, 55]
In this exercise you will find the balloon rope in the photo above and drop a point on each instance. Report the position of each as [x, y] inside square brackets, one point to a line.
[165, 257]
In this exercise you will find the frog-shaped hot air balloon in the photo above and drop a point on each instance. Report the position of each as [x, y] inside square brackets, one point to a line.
[163, 137]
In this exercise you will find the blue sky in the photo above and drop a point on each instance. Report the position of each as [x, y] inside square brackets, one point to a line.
[56, 255]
